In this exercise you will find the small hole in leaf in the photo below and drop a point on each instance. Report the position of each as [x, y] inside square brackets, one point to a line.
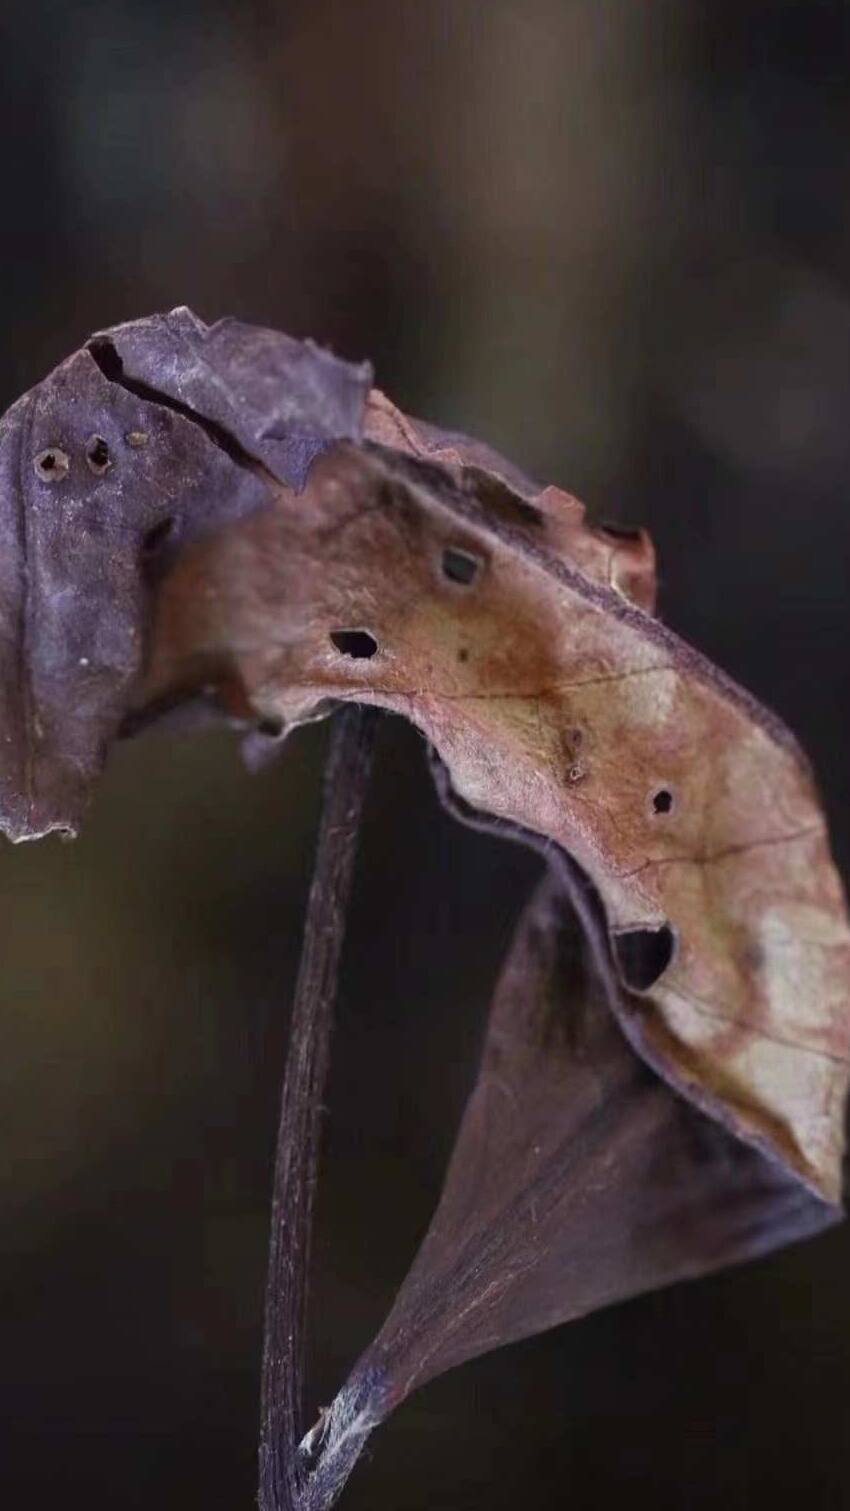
[97, 456]
[662, 800]
[156, 537]
[460, 566]
[52, 465]
[357, 643]
[643, 955]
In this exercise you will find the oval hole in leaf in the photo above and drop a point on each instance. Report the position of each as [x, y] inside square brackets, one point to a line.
[643, 955]
[460, 566]
[357, 643]
[97, 456]
[662, 800]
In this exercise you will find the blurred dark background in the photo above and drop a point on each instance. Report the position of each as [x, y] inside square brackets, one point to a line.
[612, 238]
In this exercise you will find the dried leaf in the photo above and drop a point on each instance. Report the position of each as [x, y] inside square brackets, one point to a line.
[560, 707]
[621, 559]
[578, 1178]
[304, 544]
[105, 469]
[280, 400]
[694, 1117]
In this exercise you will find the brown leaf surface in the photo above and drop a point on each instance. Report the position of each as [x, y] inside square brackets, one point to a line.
[418, 570]
[578, 1178]
[621, 559]
[558, 706]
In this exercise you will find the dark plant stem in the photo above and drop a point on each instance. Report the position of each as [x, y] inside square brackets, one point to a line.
[284, 1469]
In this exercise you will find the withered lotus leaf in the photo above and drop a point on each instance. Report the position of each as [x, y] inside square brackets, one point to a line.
[579, 1177]
[225, 511]
[106, 469]
[696, 1118]
[559, 706]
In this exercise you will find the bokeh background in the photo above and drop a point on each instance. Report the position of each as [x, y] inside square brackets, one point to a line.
[613, 238]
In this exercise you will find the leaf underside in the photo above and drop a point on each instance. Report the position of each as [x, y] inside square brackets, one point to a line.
[579, 1177]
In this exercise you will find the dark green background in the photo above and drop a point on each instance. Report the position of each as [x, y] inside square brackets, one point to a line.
[611, 238]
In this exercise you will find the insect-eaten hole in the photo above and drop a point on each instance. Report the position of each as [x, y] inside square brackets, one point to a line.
[97, 456]
[643, 955]
[662, 800]
[460, 566]
[158, 536]
[52, 465]
[356, 643]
